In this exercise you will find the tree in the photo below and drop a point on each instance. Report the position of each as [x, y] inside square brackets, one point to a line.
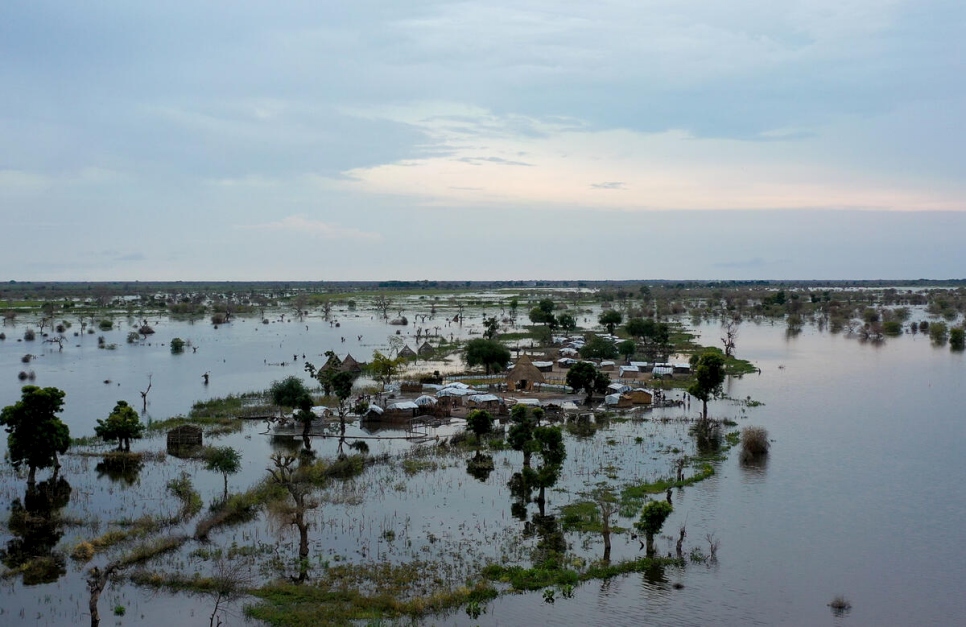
[342, 383]
[35, 434]
[652, 519]
[549, 445]
[122, 424]
[223, 459]
[598, 347]
[627, 348]
[567, 322]
[957, 338]
[610, 319]
[480, 422]
[290, 392]
[520, 435]
[492, 327]
[384, 368]
[177, 346]
[543, 313]
[655, 336]
[585, 376]
[490, 354]
[709, 376]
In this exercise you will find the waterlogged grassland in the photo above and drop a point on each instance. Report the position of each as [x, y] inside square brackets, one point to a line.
[399, 533]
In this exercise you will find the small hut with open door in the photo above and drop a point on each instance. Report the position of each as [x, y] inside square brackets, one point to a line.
[523, 375]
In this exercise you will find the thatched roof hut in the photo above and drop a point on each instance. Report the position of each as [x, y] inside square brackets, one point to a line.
[407, 353]
[349, 364]
[426, 350]
[523, 375]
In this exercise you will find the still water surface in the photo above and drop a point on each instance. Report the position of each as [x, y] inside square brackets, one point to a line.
[862, 495]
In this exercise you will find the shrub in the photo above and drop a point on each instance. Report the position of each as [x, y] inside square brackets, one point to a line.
[754, 443]
[29, 335]
[957, 338]
[177, 345]
[105, 325]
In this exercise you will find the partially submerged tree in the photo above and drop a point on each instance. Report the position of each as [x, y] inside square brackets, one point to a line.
[480, 422]
[585, 376]
[491, 354]
[35, 434]
[652, 520]
[223, 459]
[122, 424]
[709, 375]
[290, 392]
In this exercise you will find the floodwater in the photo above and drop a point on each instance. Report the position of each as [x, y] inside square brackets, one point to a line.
[862, 494]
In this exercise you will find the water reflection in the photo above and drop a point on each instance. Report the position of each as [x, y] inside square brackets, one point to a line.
[120, 467]
[480, 466]
[36, 526]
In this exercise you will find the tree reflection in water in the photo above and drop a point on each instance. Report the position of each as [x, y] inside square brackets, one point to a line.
[36, 526]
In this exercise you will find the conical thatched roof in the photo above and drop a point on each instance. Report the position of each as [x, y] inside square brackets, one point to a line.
[426, 349]
[524, 370]
[407, 353]
[349, 364]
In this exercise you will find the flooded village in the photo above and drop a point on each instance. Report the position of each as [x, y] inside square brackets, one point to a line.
[492, 454]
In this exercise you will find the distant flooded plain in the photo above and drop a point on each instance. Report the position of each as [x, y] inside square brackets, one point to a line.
[861, 495]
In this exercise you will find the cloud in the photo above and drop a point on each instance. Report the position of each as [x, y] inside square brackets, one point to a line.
[609, 185]
[314, 228]
[496, 160]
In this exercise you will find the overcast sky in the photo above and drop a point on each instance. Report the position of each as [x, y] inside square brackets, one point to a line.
[498, 139]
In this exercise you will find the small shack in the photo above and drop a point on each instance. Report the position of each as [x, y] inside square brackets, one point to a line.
[607, 366]
[640, 396]
[629, 372]
[484, 401]
[407, 353]
[426, 350]
[619, 401]
[523, 375]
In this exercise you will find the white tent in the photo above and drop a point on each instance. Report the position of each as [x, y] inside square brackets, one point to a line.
[483, 398]
[425, 400]
[403, 406]
[619, 388]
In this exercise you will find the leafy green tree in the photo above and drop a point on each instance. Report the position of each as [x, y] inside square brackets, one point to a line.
[223, 459]
[585, 376]
[491, 327]
[177, 346]
[490, 354]
[122, 424]
[290, 392]
[627, 348]
[957, 338]
[655, 336]
[709, 375]
[480, 422]
[567, 322]
[539, 316]
[520, 435]
[342, 383]
[35, 434]
[549, 446]
[598, 348]
[652, 520]
[383, 368]
[610, 319]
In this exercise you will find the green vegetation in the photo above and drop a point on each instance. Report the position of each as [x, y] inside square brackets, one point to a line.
[35, 434]
[122, 424]
[491, 354]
